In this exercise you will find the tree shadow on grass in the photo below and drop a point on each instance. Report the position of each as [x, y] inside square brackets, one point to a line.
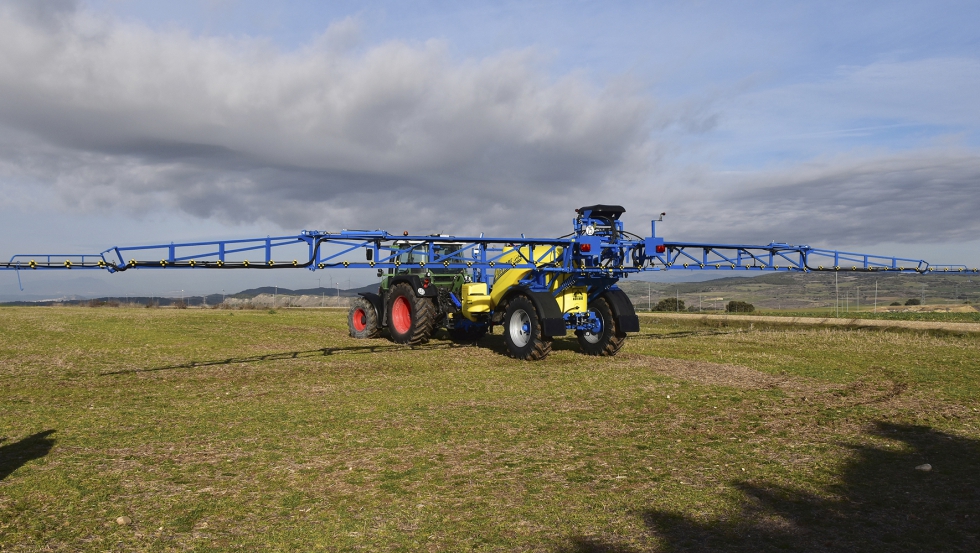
[15, 455]
[882, 503]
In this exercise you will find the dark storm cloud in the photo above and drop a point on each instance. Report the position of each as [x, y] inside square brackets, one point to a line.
[922, 197]
[122, 116]
[49, 14]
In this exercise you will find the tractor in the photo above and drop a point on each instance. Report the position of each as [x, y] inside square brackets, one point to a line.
[532, 302]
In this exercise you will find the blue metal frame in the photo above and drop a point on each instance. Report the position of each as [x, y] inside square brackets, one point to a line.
[597, 254]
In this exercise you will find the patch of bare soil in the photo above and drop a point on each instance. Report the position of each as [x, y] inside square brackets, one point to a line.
[880, 388]
[723, 374]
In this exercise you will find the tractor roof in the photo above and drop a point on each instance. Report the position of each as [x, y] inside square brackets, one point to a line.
[602, 211]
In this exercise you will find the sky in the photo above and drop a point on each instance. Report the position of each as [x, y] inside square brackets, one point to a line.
[844, 125]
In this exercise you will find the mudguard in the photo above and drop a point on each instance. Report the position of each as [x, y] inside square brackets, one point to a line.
[416, 282]
[550, 315]
[622, 308]
[375, 300]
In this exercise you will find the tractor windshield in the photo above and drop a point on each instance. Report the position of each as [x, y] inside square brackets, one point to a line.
[412, 256]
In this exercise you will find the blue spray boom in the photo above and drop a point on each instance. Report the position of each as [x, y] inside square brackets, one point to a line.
[537, 288]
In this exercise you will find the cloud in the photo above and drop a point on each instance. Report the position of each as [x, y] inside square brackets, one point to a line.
[117, 116]
[923, 197]
[900, 104]
[105, 116]
[935, 91]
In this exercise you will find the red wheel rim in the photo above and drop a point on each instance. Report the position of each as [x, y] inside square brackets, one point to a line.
[359, 319]
[401, 315]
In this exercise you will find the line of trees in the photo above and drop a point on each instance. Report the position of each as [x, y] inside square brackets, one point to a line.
[739, 307]
[669, 304]
[676, 304]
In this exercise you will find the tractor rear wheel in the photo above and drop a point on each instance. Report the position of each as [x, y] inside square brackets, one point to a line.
[411, 319]
[362, 320]
[522, 331]
[609, 339]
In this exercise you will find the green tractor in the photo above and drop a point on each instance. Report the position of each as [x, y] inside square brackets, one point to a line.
[413, 301]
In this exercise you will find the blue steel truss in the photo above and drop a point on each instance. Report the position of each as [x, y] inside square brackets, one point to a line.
[597, 254]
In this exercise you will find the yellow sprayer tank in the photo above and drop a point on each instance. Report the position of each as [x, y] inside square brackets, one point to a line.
[475, 299]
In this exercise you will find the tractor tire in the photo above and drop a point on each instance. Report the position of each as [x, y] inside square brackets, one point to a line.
[522, 331]
[362, 320]
[467, 334]
[609, 340]
[411, 319]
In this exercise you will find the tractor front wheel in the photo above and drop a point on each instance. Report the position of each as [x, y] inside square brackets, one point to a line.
[608, 340]
[362, 320]
[411, 319]
[522, 331]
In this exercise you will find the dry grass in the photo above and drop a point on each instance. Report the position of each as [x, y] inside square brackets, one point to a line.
[251, 430]
[858, 320]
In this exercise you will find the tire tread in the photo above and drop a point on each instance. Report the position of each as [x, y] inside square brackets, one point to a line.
[372, 328]
[615, 340]
[540, 346]
[424, 315]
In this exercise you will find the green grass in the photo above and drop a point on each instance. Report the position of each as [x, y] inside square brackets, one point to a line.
[824, 312]
[937, 363]
[224, 430]
[881, 315]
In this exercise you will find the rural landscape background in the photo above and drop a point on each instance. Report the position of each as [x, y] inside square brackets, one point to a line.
[817, 293]
[215, 411]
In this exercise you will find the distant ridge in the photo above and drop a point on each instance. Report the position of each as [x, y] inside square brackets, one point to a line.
[252, 292]
[765, 291]
[210, 299]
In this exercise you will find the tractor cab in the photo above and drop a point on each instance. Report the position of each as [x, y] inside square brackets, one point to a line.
[414, 259]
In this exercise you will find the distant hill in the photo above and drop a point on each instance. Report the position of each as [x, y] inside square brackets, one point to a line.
[815, 289]
[210, 299]
[252, 292]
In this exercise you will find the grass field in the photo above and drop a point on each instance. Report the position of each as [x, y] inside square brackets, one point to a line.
[881, 315]
[815, 291]
[217, 430]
